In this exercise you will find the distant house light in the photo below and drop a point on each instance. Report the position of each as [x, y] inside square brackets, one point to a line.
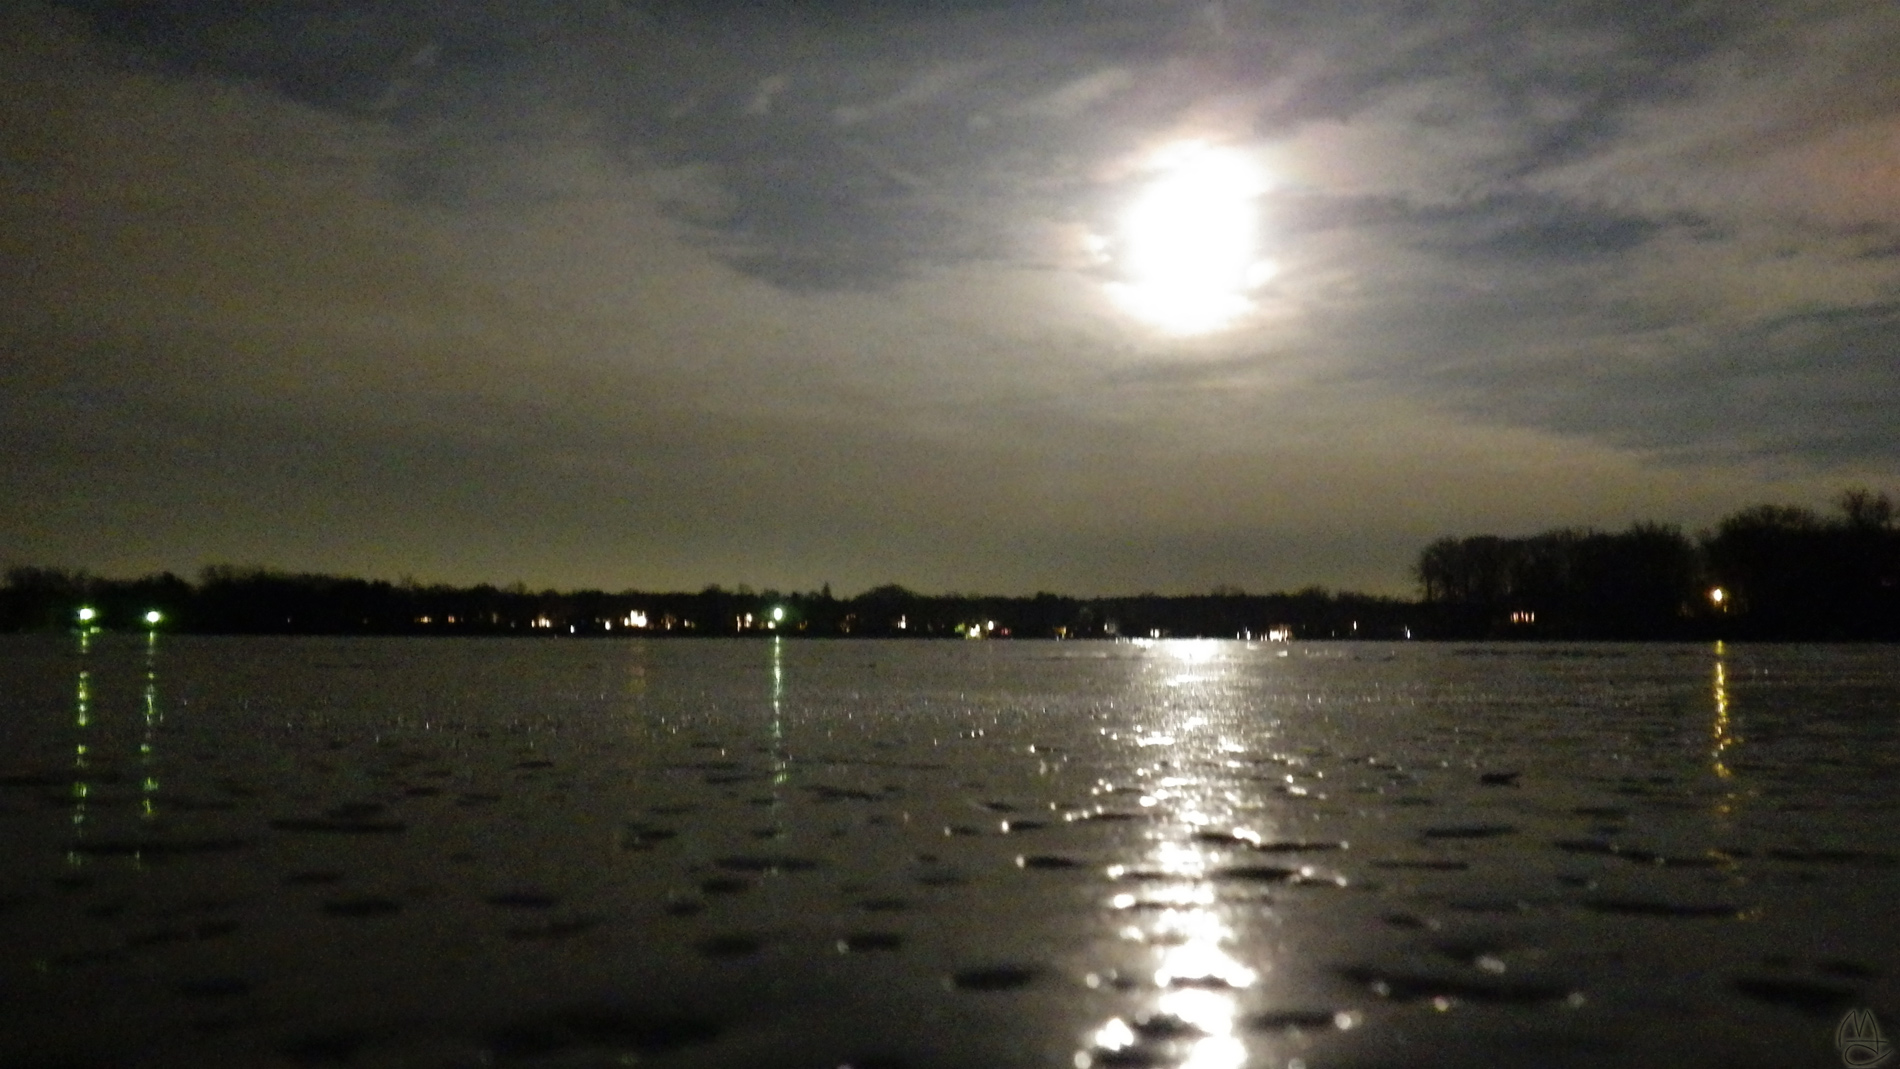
[153, 617]
[1523, 616]
[88, 614]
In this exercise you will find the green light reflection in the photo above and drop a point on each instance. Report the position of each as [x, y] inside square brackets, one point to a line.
[82, 723]
[148, 742]
[780, 763]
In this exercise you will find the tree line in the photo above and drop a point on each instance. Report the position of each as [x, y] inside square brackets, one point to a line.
[1766, 572]
[252, 600]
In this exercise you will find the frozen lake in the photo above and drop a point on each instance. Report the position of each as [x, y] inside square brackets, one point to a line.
[439, 852]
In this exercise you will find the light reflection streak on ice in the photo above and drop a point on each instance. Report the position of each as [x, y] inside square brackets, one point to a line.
[781, 760]
[148, 783]
[1192, 1020]
[1722, 733]
[1723, 736]
[82, 719]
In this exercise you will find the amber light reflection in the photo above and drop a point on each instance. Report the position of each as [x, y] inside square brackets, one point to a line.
[1193, 1015]
[1723, 732]
[1722, 737]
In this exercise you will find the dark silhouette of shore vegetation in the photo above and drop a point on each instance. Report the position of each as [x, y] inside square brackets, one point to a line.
[1769, 572]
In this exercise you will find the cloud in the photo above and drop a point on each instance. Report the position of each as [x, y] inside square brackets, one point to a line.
[958, 116]
[731, 267]
[1077, 96]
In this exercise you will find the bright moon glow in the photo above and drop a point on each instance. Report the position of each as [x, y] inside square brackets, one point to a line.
[1188, 242]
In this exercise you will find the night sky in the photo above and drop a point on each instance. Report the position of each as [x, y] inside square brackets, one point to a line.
[1088, 297]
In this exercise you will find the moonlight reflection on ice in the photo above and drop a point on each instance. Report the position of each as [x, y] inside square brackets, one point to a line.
[1193, 1019]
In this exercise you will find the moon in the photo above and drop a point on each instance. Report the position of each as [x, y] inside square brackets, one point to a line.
[1187, 254]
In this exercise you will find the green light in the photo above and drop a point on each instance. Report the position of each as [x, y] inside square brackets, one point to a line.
[153, 617]
[87, 615]
[778, 614]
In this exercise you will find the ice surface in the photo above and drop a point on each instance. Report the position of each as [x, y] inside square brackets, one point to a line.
[395, 852]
